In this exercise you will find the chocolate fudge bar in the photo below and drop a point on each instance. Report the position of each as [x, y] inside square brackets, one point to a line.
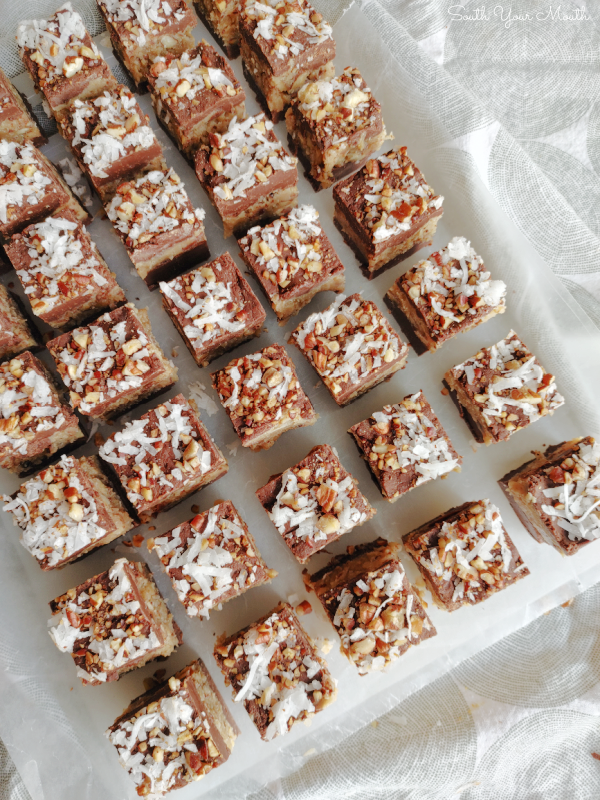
[293, 260]
[175, 733]
[250, 178]
[194, 95]
[15, 333]
[405, 446]
[65, 278]
[142, 30]
[66, 511]
[16, 121]
[62, 59]
[34, 423]
[221, 17]
[114, 622]
[273, 667]
[335, 125]
[502, 389]
[211, 559]
[371, 604]
[352, 347]
[112, 364]
[284, 45]
[164, 456]
[213, 308]
[556, 495]
[387, 210]
[162, 231]
[263, 397]
[465, 555]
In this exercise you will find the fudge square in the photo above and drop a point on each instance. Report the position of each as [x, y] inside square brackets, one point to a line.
[213, 308]
[65, 278]
[293, 260]
[502, 389]
[221, 17]
[211, 559]
[15, 332]
[405, 446]
[556, 495]
[284, 45]
[16, 122]
[34, 423]
[250, 178]
[164, 456]
[371, 604]
[194, 95]
[66, 511]
[263, 397]
[273, 667]
[112, 364]
[387, 210]
[335, 125]
[175, 733]
[352, 347]
[114, 622]
[465, 555]
[314, 502]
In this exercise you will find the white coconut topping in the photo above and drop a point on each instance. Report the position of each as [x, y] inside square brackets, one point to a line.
[274, 24]
[23, 181]
[142, 12]
[189, 67]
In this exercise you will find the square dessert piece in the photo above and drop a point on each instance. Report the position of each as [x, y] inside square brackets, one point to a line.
[465, 555]
[352, 347]
[16, 121]
[195, 95]
[371, 604]
[142, 31]
[112, 364]
[162, 231]
[387, 210]
[62, 59]
[164, 456]
[211, 559]
[250, 178]
[15, 333]
[263, 397]
[221, 17]
[293, 260]
[175, 733]
[314, 502]
[284, 45]
[556, 495]
[62, 272]
[213, 308]
[502, 389]
[66, 511]
[254, 661]
[114, 622]
[405, 446]
[34, 423]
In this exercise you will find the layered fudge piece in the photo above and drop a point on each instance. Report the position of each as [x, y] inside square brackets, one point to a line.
[112, 364]
[16, 121]
[250, 178]
[142, 30]
[65, 278]
[371, 604]
[502, 389]
[254, 661]
[387, 210]
[284, 45]
[293, 260]
[164, 456]
[66, 511]
[114, 622]
[194, 95]
[556, 495]
[263, 397]
[15, 333]
[221, 17]
[352, 347]
[34, 423]
[62, 59]
[405, 446]
[314, 503]
[175, 733]
[213, 308]
[465, 555]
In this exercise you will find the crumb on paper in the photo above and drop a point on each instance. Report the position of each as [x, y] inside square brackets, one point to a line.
[137, 540]
[98, 439]
[445, 392]
[325, 645]
[175, 351]
[203, 400]
[303, 609]
[311, 751]
[195, 509]
[568, 603]
[233, 447]
[596, 756]
[375, 723]
[75, 181]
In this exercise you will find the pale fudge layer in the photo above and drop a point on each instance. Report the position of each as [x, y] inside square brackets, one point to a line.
[15, 333]
[16, 122]
[221, 17]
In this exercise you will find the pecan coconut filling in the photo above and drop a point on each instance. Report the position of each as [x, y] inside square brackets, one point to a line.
[15, 332]
[221, 17]
[16, 122]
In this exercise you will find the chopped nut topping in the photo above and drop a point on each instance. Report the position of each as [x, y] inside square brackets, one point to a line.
[192, 74]
[291, 25]
[23, 178]
[141, 19]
